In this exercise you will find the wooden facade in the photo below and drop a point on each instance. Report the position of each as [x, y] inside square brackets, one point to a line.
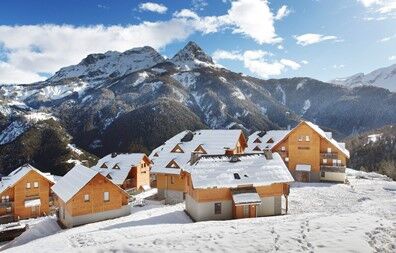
[139, 175]
[305, 146]
[30, 187]
[99, 195]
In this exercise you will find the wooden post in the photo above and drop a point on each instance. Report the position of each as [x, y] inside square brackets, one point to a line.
[287, 203]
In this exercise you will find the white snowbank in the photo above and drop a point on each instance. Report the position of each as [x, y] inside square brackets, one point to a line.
[323, 217]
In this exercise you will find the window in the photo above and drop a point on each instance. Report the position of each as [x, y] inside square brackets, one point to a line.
[270, 140]
[257, 148]
[172, 180]
[257, 140]
[106, 197]
[86, 197]
[7, 198]
[246, 211]
[283, 148]
[307, 138]
[334, 162]
[104, 166]
[328, 150]
[324, 161]
[27, 185]
[300, 138]
[8, 210]
[339, 162]
[286, 159]
[323, 174]
[217, 207]
[236, 176]
[35, 184]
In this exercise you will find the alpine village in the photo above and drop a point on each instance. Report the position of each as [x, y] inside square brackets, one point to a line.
[218, 174]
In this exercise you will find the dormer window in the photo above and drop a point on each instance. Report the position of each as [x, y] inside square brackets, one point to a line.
[172, 164]
[156, 154]
[257, 148]
[257, 140]
[104, 166]
[116, 167]
[200, 150]
[236, 176]
[177, 149]
[270, 140]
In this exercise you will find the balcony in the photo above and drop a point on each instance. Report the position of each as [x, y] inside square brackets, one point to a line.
[335, 168]
[327, 155]
[5, 204]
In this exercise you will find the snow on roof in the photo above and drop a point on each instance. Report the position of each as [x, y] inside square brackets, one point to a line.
[214, 142]
[118, 167]
[20, 172]
[32, 202]
[255, 170]
[303, 167]
[265, 140]
[243, 198]
[73, 181]
[322, 133]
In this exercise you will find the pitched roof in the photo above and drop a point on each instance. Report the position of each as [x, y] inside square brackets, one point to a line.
[124, 163]
[73, 182]
[17, 174]
[275, 135]
[223, 172]
[338, 145]
[214, 142]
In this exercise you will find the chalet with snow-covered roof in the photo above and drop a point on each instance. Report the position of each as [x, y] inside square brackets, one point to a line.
[129, 171]
[310, 153]
[171, 160]
[25, 193]
[85, 196]
[240, 186]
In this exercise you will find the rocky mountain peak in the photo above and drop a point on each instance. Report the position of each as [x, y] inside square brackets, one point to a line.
[110, 64]
[191, 56]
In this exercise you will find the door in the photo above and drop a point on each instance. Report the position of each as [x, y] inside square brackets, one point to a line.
[304, 177]
[246, 211]
[34, 211]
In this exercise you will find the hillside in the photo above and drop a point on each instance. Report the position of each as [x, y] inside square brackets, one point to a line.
[374, 151]
[323, 217]
[107, 102]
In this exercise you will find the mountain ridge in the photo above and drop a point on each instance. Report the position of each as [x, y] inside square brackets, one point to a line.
[94, 107]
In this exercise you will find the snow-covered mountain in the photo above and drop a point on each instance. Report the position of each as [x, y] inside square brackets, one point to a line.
[383, 77]
[134, 101]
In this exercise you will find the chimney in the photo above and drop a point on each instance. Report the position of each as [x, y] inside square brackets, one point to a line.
[268, 154]
[114, 154]
[194, 157]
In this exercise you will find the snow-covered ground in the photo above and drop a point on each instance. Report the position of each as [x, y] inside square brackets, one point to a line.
[323, 217]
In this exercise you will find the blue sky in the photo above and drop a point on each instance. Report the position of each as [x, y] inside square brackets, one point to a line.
[268, 39]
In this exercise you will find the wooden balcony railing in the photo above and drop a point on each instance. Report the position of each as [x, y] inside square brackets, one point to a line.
[4, 204]
[329, 155]
[335, 168]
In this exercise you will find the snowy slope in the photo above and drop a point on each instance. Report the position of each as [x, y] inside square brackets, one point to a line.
[383, 77]
[359, 217]
[112, 63]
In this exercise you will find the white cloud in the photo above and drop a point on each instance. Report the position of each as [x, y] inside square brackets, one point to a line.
[380, 6]
[339, 66]
[47, 47]
[280, 47]
[154, 7]
[256, 62]
[282, 12]
[253, 18]
[392, 57]
[385, 39]
[312, 38]
[9, 75]
[305, 62]
[199, 5]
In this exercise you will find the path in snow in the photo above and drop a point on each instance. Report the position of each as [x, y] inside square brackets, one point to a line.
[355, 217]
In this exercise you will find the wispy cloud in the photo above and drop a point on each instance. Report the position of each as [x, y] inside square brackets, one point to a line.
[392, 58]
[154, 7]
[282, 12]
[386, 39]
[380, 6]
[338, 66]
[199, 5]
[25, 51]
[313, 38]
[257, 62]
